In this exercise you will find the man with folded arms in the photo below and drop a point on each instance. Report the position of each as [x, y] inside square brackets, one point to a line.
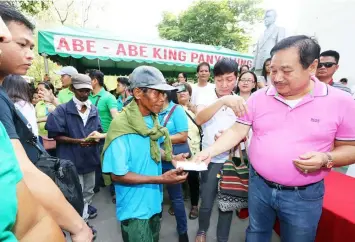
[294, 145]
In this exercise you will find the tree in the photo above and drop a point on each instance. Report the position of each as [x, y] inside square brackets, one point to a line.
[224, 23]
[31, 7]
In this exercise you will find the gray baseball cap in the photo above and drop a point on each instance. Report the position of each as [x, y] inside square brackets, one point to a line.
[81, 81]
[67, 70]
[148, 76]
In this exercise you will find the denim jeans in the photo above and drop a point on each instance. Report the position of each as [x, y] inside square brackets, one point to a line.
[209, 189]
[298, 211]
[177, 200]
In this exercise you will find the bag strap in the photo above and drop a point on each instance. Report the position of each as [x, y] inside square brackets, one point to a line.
[198, 126]
[239, 147]
[97, 101]
[30, 137]
[169, 115]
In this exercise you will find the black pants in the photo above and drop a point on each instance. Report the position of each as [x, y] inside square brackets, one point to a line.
[194, 184]
[99, 181]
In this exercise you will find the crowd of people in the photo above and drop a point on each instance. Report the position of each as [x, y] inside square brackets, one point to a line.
[132, 141]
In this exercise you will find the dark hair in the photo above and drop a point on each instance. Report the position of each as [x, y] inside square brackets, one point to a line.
[48, 85]
[236, 90]
[17, 88]
[331, 53]
[263, 72]
[98, 75]
[187, 87]
[344, 80]
[9, 14]
[203, 64]
[172, 96]
[308, 48]
[184, 75]
[123, 80]
[224, 66]
[244, 66]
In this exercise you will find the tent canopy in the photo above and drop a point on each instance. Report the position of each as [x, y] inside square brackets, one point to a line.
[88, 49]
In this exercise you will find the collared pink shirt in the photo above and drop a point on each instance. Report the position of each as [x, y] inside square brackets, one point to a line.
[281, 133]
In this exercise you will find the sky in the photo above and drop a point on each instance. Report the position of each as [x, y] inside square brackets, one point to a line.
[139, 18]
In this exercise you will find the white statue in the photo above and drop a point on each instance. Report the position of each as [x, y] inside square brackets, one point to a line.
[267, 40]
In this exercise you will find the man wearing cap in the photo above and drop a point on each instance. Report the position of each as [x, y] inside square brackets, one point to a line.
[133, 158]
[66, 73]
[70, 125]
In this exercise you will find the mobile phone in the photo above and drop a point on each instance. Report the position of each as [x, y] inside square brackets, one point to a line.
[181, 88]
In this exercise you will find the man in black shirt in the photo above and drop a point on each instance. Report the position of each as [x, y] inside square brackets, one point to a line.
[16, 58]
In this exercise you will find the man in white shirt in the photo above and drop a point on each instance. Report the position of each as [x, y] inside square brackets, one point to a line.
[203, 86]
[216, 111]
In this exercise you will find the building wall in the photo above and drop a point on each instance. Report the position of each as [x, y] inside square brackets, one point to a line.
[332, 22]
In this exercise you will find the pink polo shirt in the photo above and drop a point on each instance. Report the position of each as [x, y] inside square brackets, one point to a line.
[281, 133]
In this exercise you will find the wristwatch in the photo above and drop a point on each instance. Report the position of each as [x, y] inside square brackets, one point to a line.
[329, 162]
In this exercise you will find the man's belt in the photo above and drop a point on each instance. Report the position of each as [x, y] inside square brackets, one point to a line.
[282, 187]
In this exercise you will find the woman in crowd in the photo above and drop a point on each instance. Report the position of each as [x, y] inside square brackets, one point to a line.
[244, 68]
[246, 85]
[182, 78]
[43, 109]
[20, 93]
[265, 79]
[194, 139]
[174, 118]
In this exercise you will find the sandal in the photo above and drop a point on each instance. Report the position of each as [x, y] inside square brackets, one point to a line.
[171, 211]
[193, 213]
[201, 237]
[114, 199]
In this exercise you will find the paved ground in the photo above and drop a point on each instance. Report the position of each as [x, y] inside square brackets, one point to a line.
[109, 229]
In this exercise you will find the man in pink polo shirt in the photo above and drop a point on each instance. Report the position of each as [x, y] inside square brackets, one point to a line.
[291, 149]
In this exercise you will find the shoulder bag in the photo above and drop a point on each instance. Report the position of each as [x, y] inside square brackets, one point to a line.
[62, 172]
[233, 183]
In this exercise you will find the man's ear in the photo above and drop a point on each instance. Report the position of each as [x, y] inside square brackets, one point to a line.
[137, 93]
[313, 67]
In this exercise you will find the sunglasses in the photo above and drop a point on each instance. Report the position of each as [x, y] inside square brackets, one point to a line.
[326, 64]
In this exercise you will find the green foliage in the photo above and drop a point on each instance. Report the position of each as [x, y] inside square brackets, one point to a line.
[224, 23]
[37, 69]
[32, 7]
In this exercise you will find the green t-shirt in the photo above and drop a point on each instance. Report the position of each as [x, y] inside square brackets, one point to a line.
[65, 95]
[10, 175]
[42, 110]
[106, 102]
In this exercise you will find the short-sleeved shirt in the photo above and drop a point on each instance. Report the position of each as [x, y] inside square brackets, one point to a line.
[200, 91]
[106, 102]
[65, 95]
[121, 104]
[223, 119]
[41, 112]
[194, 133]
[10, 175]
[134, 201]
[282, 133]
[177, 122]
[15, 128]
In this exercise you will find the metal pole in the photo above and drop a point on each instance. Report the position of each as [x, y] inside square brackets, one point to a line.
[46, 68]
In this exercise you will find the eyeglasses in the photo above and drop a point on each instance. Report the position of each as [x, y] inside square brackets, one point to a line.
[247, 80]
[326, 64]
